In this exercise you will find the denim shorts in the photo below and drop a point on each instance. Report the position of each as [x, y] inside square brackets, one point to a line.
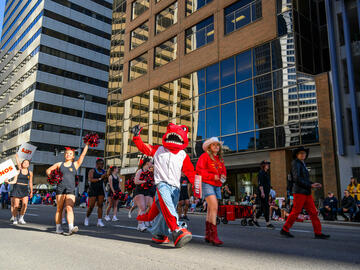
[208, 190]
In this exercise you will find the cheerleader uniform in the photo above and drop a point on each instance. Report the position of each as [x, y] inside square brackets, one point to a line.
[139, 189]
[67, 185]
[21, 188]
[115, 184]
[97, 188]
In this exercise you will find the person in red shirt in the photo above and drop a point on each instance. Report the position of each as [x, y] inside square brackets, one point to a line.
[212, 169]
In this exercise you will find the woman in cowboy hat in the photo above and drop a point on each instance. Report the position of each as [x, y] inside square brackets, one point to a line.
[302, 194]
[211, 167]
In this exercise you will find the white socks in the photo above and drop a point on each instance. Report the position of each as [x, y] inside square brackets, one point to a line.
[71, 226]
[58, 227]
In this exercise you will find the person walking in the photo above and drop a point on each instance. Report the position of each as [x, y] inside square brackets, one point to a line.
[264, 191]
[65, 190]
[4, 190]
[115, 189]
[301, 188]
[96, 178]
[212, 169]
[20, 191]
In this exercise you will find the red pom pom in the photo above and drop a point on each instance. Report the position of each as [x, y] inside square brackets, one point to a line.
[92, 139]
[117, 195]
[55, 177]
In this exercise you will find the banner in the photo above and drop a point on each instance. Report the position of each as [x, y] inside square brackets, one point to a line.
[7, 170]
[26, 151]
[198, 186]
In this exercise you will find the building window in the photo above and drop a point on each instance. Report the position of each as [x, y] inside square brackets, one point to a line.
[166, 18]
[165, 52]
[241, 13]
[139, 35]
[138, 66]
[138, 7]
[199, 35]
[193, 5]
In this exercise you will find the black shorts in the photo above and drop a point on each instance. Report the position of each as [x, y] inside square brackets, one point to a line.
[19, 191]
[150, 192]
[139, 191]
[184, 194]
[96, 192]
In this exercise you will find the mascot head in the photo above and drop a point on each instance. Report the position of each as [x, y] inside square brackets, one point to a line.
[176, 137]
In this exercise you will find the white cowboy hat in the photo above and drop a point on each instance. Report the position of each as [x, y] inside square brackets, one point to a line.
[210, 141]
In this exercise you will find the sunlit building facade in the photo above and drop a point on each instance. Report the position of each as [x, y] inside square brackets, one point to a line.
[228, 69]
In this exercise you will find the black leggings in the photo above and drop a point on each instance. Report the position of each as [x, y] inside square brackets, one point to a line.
[264, 202]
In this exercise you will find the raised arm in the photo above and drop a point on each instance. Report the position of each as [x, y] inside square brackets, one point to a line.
[18, 163]
[82, 156]
[56, 166]
[146, 149]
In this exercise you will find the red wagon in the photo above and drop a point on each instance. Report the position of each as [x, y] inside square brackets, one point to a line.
[228, 213]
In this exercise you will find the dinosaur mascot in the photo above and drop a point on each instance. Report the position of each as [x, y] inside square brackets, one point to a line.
[169, 160]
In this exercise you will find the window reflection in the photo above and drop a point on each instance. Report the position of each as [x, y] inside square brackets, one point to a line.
[243, 66]
[229, 145]
[245, 115]
[288, 135]
[265, 139]
[262, 84]
[212, 77]
[212, 99]
[166, 18]
[246, 142]
[199, 35]
[228, 94]
[244, 89]
[264, 111]
[227, 69]
[262, 58]
[228, 115]
[213, 117]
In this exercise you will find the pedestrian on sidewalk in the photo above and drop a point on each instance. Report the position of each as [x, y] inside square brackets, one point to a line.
[212, 169]
[301, 188]
[348, 206]
[264, 191]
[4, 190]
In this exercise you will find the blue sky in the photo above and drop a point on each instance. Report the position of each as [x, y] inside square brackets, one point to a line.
[2, 7]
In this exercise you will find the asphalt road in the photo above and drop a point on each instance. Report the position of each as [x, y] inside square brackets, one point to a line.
[119, 246]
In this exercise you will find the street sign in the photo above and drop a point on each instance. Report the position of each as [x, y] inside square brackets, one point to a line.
[7, 170]
[26, 151]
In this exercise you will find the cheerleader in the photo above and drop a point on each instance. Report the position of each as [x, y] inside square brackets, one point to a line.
[20, 190]
[211, 167]
[115, 189]
[141, 192]
[96, 178]
[65, 190]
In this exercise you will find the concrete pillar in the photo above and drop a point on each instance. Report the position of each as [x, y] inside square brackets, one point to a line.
[326, 136]
[280, 168]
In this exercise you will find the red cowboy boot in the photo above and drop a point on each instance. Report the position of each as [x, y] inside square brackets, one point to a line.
[214, 239]
[207, 232]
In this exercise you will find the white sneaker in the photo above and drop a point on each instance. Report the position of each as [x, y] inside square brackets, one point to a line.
[86, 222]
[115, 218]
[12, 219]
[22, 221]
[107, 218]
[100, 223]
[59, 231]
[63, 221]
[141, 227]
[74, 230]
[15, 222]
[129, 214]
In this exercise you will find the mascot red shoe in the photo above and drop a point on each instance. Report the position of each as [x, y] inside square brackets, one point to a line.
[169, 160]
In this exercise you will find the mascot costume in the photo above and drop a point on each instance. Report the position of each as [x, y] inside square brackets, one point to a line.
[169, 160]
